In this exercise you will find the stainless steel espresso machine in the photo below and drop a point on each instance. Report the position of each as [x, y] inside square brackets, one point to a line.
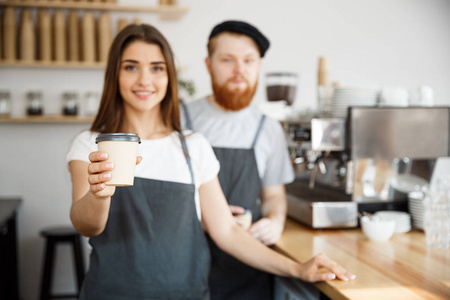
[367, 161]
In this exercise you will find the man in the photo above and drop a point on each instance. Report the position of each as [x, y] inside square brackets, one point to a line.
[251, 148]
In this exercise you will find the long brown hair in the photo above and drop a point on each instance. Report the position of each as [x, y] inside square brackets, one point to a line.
[110, 115]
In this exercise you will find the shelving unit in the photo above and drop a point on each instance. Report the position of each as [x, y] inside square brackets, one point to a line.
[167, 12]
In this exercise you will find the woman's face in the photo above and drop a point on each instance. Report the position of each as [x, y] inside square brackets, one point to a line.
[143, 77]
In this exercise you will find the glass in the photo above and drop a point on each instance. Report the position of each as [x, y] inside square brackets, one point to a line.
[5, 104]
[91, 104]
[70, 103]
[325, 101]
[437, 214]
[34, 103]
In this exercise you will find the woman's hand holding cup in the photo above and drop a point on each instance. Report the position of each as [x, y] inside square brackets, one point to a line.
[99, 173]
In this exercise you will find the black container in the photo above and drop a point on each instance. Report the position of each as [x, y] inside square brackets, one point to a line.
[34, 103]
[70, 103]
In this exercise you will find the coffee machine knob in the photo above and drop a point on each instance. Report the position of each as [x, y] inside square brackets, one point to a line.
[302, 134]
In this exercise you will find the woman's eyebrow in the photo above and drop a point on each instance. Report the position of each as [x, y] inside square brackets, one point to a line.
[129, 61]
[135, 62]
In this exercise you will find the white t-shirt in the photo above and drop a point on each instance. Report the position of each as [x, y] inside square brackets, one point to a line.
[163, 159]
[237, 130]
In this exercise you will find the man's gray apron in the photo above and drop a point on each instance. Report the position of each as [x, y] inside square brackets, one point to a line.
[239, 178]
[153, 246]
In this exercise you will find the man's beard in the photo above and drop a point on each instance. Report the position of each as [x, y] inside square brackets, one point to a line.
[233, 99]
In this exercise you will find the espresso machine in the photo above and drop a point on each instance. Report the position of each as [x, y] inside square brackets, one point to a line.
[365, 162]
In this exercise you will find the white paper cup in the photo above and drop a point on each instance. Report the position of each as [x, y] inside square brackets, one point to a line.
[245, 218]
[122, 152]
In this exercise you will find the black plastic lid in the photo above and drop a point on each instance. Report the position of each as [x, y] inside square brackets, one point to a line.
[121, 137]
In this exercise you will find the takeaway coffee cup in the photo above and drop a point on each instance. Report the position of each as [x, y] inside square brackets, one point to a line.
[245, 219]
[122, 152]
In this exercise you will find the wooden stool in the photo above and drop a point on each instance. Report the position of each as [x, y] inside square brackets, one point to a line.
[55, 235]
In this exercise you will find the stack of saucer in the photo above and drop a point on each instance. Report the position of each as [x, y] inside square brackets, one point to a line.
[416, 208]
[402, 219]
[277, 110]
[393, 96]
[343, 97]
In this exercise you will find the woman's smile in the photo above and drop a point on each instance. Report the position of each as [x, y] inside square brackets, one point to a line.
[143, 94]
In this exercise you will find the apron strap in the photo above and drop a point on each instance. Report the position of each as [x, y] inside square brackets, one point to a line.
[186, 155]
[186, 115]
[263, 117]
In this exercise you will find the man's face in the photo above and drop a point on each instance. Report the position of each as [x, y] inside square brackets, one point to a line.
[234, 69]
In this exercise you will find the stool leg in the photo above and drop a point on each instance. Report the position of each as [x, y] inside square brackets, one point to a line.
[79, 261]
[48, 269]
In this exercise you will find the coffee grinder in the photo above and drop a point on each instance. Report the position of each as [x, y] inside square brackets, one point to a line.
[281, 86]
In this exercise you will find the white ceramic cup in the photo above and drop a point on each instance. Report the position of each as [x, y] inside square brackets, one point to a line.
[122, 152]
[377, 230]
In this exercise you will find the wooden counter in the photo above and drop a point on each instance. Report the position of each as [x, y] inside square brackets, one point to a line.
[402, 268]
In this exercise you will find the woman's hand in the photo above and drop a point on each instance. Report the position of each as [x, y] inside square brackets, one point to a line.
[311, 270]
[99, 171]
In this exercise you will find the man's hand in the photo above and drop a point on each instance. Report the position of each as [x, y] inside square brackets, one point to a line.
[269, 228]
[266, 231]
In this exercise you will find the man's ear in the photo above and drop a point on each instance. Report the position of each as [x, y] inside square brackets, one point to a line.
[208, 64]
[260, 62]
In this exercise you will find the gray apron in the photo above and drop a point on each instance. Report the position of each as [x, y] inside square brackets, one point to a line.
[153, 245]
[229, 278]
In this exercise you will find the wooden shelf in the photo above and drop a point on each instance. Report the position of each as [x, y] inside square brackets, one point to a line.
[52, 64]
[60, 65]
[164, 9]
[47, 119]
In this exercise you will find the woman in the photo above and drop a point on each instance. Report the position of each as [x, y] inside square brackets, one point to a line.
[148, 240]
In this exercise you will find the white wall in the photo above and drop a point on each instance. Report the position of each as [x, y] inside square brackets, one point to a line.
[383, 43]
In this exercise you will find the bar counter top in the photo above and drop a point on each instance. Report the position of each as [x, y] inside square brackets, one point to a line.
[402, 268]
